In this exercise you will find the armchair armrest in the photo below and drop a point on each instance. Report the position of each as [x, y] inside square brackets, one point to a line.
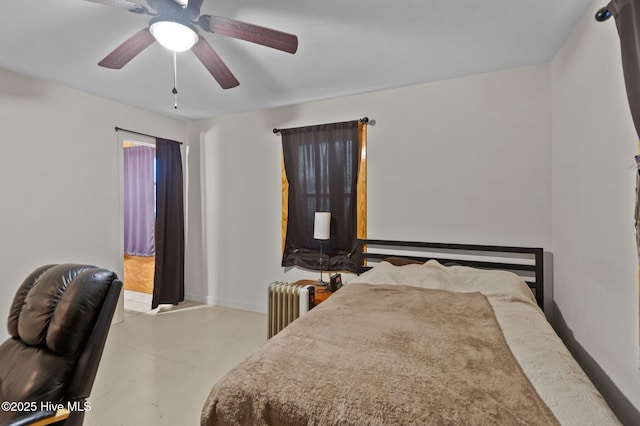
[40, 418]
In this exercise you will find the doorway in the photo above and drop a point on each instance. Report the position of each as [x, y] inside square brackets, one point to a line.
[139, 166]
[172, 189]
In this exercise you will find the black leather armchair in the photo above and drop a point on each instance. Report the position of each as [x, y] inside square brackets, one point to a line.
[58, 323]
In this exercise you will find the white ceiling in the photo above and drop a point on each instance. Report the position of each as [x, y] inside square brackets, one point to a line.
[345, 47]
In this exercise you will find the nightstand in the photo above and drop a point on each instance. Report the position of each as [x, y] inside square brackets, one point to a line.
[322, 293]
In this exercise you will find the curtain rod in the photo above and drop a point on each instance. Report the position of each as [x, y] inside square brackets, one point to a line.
[141, 134]
[363, 120]
[603, 14]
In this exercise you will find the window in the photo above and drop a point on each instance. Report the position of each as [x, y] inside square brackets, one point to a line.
[324, 169]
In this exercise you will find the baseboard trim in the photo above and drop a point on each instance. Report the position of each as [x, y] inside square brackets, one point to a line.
[626, 412]
[226, 303]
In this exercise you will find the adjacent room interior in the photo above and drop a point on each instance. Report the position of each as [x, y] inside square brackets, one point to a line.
[139, 216]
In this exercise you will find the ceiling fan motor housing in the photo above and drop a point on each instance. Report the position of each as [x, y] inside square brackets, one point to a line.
[170, 10]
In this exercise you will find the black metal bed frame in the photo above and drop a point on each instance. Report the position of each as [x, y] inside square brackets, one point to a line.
[447, 253]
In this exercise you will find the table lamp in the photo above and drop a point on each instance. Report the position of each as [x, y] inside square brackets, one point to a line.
[322, 232]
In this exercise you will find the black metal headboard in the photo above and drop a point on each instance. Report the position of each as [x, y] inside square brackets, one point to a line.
[524, 261]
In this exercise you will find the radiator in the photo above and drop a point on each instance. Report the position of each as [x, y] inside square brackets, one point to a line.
[286, 302]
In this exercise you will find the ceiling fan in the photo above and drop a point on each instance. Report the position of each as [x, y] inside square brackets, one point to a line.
[175, 17]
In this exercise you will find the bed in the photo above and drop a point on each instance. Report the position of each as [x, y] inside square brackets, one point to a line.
[428, 333]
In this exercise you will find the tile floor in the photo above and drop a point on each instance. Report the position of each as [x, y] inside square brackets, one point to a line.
[159, 365]
[136, 303]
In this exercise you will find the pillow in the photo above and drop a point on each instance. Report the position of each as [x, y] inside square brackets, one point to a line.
[402, 261]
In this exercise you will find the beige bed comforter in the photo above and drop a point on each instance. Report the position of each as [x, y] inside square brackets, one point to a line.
[555, 375]
[382, 354]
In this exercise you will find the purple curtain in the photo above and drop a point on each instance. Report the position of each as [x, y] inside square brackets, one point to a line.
[139, 201]
[168, 284]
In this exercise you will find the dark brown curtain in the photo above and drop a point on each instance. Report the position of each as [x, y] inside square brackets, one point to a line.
[627, 16]
[637, 210]
[168, 284]
[321, 165]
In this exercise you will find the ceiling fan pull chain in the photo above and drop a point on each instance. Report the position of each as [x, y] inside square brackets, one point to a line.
[175, 81]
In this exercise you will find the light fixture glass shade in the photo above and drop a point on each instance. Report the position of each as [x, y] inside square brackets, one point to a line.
[322, 226]
[174, 36]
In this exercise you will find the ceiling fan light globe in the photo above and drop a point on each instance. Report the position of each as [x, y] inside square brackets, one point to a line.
[173, 35]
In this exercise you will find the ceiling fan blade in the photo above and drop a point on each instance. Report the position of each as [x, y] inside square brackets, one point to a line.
[125, 4]
[214, 64]
[128, 50]
[249, 32]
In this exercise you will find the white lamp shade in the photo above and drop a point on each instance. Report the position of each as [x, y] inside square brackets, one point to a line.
[173, 35]
[322, 226]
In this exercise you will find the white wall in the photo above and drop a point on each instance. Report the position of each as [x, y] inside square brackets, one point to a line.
[465, 160]
[59, 177]
[596, 272]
